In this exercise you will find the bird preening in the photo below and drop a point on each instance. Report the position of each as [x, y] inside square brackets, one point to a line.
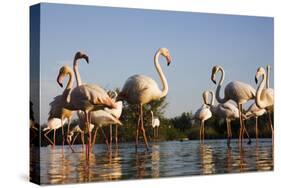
[97, 108]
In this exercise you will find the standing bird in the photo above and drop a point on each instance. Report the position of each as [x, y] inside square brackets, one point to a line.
[141, 89]
[116, 112]
[237, 91]
[84, 97]
[227, 111]
[202, 114]
[78, 129]
[52, 125]
[57, 110]
[155, 123]
[264, 96]
[254, 110]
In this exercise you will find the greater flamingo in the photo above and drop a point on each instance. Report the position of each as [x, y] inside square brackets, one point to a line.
[237, 91]
[264, 96]
[52, 125]
[155, 123]
[115, 112]
[254, 110]
[57, 110]
[227, 111]
[202, 114]
[78, 129]
[141, 89]
[84, 97]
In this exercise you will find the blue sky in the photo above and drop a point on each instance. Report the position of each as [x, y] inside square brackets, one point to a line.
[121, 42]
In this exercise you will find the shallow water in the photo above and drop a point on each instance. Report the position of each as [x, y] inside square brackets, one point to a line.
[165, 159]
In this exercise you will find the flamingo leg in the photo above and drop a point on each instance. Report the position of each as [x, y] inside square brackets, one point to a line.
[105, 137]
[228, 133]
[54, 138]
[271, 126]
[203, 132]
[110, 134]
[46, 136]
[200, 132]
[143, 130]
[74, 139]
[241, 124]
[62, 132]
[248, 135]
[137, 131]
[116, 135]
[95, 136]
[82, 139]
[257, 130]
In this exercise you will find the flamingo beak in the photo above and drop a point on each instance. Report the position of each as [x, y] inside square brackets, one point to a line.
[169, 60]
[59, 81]
[213, 79]
[86, 58]
[256, 80]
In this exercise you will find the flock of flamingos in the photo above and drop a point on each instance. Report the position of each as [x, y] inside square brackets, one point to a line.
[96, 108]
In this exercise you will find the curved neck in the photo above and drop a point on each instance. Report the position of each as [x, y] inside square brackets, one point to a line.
[161, 75]
[76, 72]
[219, 99]
[267, 77]
[212, 98]
[67, 91]
[261, 86]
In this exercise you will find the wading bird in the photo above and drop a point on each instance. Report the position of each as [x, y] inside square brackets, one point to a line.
[202, 114]
[52, 125]
[116, 112]
[227, 111]
[141, 89]
[237, 91]
[84, 97]
[57, 110]
[264, 96]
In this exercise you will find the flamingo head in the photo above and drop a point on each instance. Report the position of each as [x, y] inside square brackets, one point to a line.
[260, 72]
[214, 72]
[165, 52]
[80, 55]
[64, 70]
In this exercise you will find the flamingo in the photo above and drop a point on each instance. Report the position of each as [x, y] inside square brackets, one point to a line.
[78, 129]
[202, 114]
[254, 110]
[141, 89]
[227, 111]
[116, 112]
[57, 110]
[155, 123]
[264, 96]
[52, 125]
[84, 97]
[237, 91]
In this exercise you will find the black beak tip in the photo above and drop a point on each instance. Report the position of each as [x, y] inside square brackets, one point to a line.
[60, 84]
[214, 81]
[169, 63]
[256, 80]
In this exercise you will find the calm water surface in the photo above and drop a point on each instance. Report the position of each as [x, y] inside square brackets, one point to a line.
[165, 159]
